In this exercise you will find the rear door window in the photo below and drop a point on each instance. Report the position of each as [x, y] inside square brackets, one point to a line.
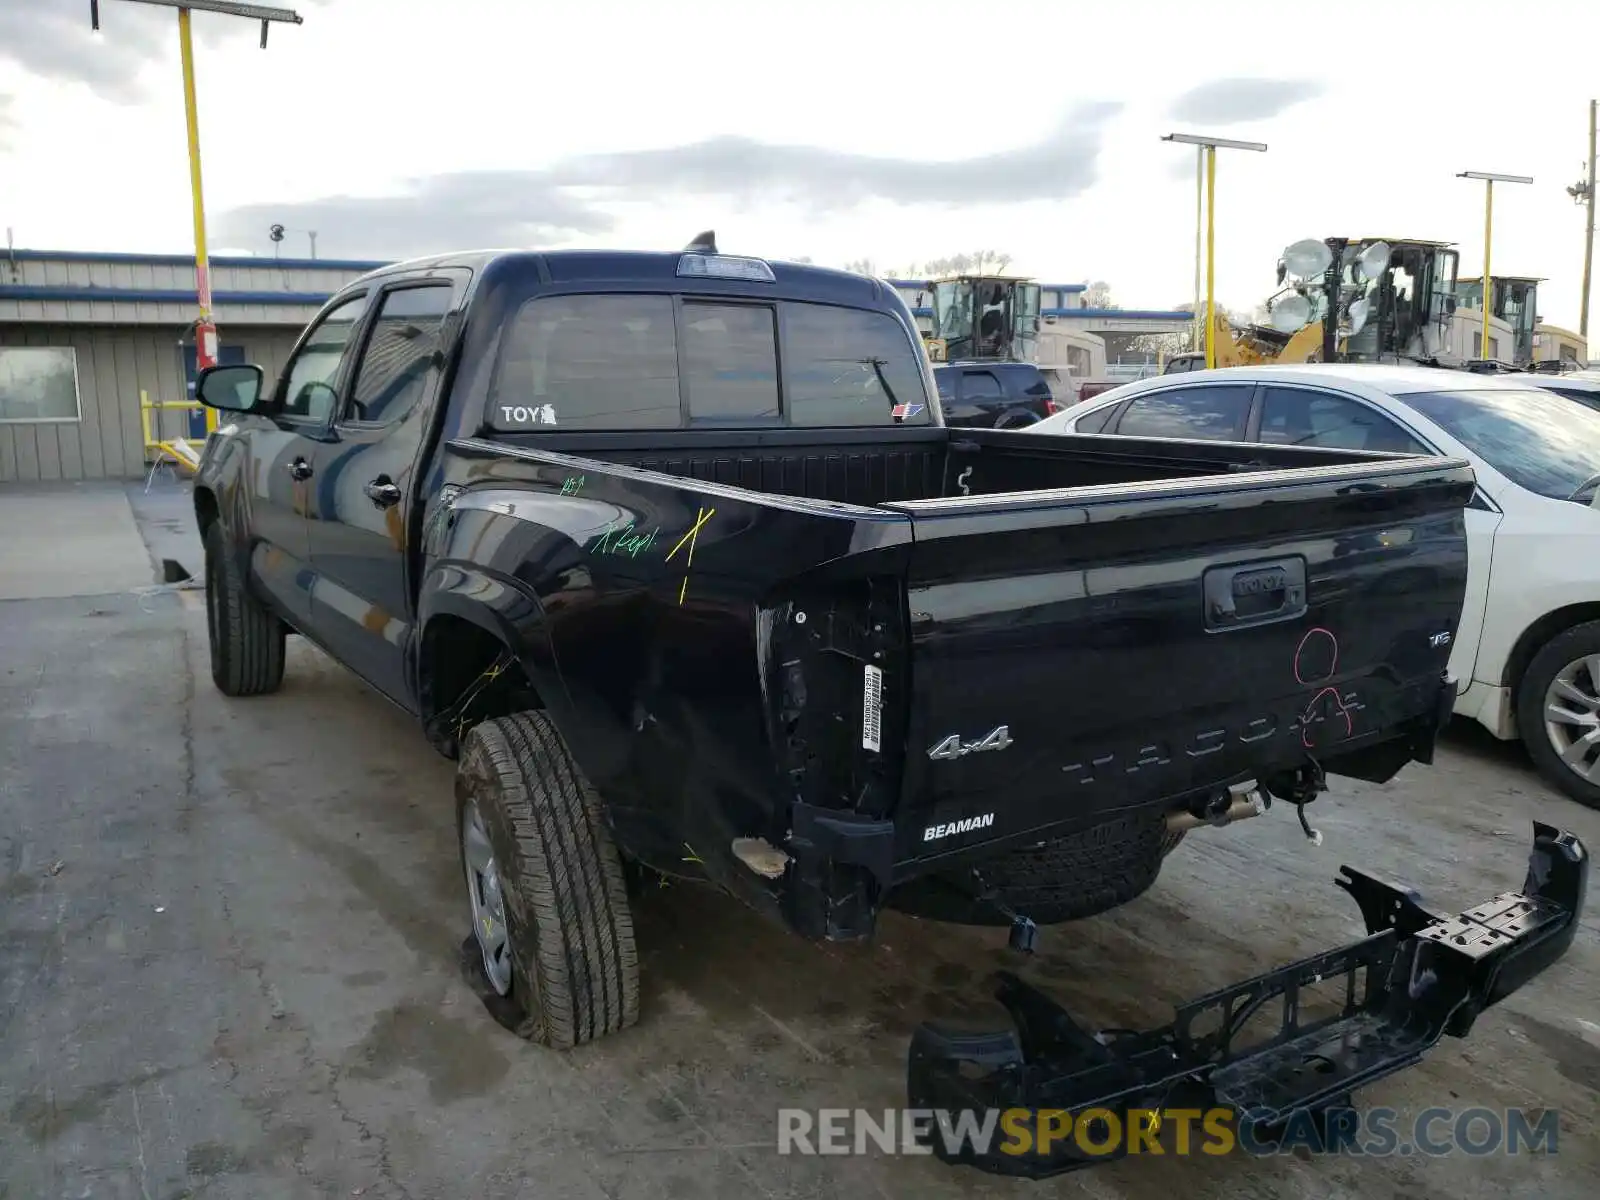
[393, 370]
[1308, 417]
[1214, 413]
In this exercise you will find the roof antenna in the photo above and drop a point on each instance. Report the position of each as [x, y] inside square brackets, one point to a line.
[704, 243]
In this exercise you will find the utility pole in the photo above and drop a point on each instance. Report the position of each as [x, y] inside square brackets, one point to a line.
[1583, 193]
[205, 329]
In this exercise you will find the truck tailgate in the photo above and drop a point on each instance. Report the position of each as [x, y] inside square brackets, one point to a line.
[1081, 651]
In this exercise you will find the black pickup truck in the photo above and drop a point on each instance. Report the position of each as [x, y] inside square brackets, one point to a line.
[674, 554]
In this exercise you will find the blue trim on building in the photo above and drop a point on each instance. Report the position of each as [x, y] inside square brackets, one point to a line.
[1134, 314]
[154, 296]
[187, 260]
[924, 285]
[1100, 314]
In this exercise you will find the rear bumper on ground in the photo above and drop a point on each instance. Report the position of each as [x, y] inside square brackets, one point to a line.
[1420, 976]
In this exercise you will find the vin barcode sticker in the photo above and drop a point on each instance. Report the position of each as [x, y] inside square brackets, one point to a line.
[871, 708]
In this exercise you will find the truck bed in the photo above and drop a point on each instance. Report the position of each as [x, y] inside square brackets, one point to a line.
[956, 641]
[876, 466]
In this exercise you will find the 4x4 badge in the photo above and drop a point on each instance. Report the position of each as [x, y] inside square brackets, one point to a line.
[998, 738]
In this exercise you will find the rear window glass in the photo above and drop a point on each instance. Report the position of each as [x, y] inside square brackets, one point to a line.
[615, 362]
[589, 362]
[846, 366]
[730, 358]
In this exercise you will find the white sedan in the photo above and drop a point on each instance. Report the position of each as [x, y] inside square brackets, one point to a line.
[1527, 653]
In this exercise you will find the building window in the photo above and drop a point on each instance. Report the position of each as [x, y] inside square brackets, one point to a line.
[39, 383]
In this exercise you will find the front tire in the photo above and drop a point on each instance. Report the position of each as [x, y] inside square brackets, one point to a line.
[551, 953]
[246, 640]
[1558, 712]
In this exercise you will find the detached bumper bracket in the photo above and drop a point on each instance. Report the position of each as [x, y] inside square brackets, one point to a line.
[1413, 979]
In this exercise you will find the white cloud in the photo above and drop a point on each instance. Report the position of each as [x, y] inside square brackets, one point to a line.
[766, 122]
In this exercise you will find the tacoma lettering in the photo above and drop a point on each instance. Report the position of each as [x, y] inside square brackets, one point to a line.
[1202, 744]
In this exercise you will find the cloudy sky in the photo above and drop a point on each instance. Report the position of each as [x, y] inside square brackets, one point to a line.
[896, 132]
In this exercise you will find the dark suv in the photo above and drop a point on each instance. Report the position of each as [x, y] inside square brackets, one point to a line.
[993, 395]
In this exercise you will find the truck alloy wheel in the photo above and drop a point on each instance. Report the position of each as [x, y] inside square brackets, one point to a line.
[1558, 711]
[551, 953]
[489, 928]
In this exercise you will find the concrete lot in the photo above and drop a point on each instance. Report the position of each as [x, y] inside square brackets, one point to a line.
[228, 964]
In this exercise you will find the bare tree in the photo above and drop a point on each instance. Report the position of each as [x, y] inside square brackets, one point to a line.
[861, 266]
[991, 261]
[976, 263]
[1098, 295]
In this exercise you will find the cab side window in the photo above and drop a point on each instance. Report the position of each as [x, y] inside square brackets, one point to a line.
[393, 371]
[1306, 417]
[1214, 413]
[310, 387]
[1095, 422]
[981, 387]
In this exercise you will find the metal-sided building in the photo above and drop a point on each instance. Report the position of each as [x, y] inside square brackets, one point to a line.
[83, 334]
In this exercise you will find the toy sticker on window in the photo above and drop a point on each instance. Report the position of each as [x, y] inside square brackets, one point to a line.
[526, 416]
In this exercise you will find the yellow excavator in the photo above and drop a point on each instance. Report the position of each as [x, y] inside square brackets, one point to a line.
[1347, 300]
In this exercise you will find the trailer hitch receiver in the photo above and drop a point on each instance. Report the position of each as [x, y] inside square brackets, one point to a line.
[1413, 979]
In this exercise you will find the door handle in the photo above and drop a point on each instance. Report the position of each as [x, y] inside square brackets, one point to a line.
[299, 468]
[383, 492]
[1254, 593]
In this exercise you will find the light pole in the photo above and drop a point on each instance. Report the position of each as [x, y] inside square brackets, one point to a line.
[1208, 152]
[1583, 193]
[205, 329]
[1489, 178]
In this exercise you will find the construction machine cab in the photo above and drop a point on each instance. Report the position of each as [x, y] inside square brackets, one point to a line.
[1367, 299]
[1348, 300]
[1516, 302]
[991, 318]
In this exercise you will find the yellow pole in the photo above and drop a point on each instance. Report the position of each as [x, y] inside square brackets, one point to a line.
[1211, 256]
[205, 330]
[1199, 235]
[1488, 287]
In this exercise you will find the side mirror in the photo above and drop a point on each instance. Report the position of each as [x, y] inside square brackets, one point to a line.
[231, 389]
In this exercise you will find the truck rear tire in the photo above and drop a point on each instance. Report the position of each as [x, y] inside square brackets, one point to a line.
[1566, 672]
[246, 640]
[551, 953]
